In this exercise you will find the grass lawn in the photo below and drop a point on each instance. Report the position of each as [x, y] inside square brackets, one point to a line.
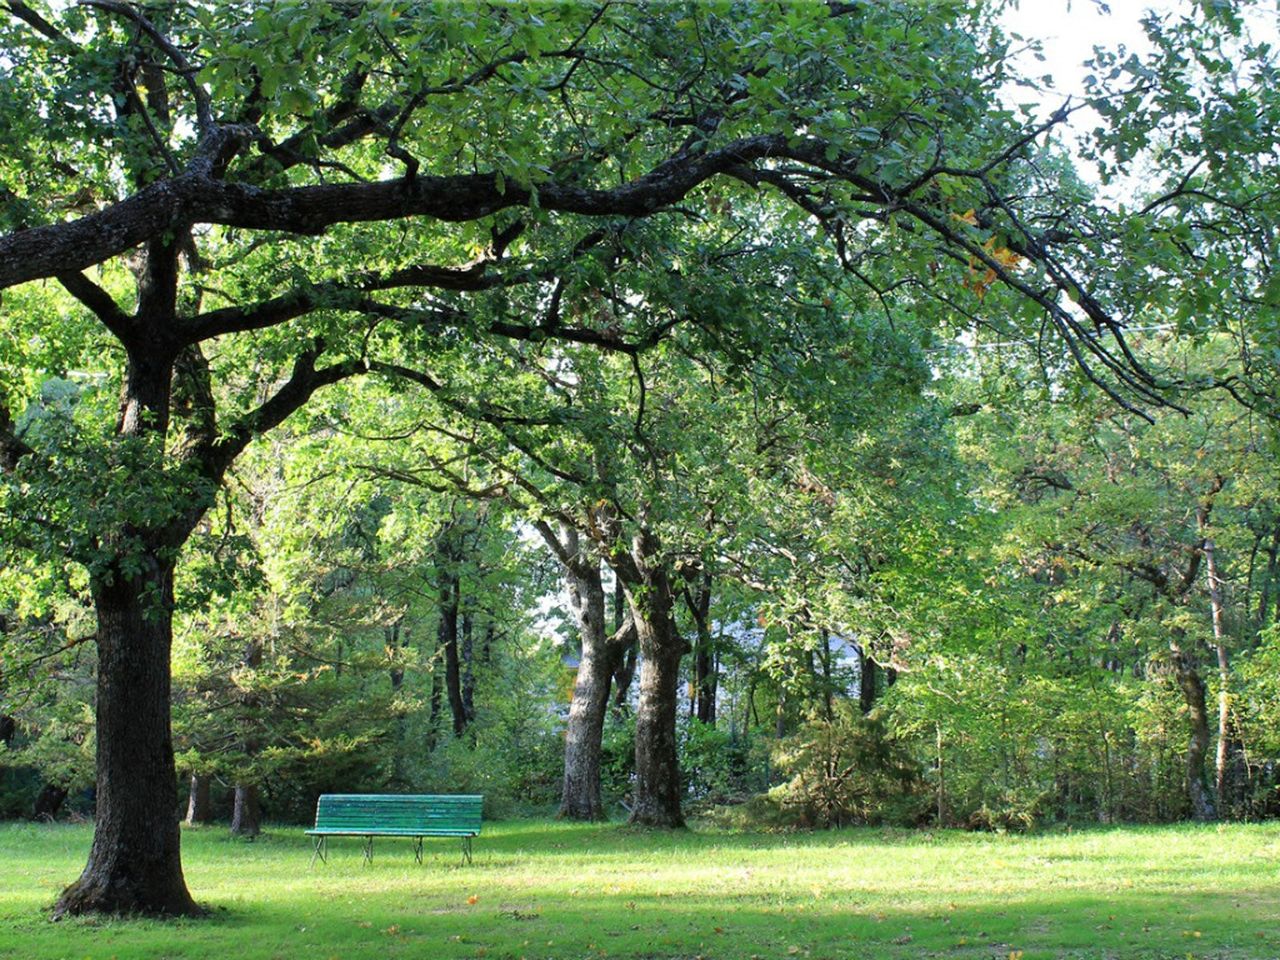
[546, 889]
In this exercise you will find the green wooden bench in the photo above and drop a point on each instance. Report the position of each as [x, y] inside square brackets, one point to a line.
[416, 816]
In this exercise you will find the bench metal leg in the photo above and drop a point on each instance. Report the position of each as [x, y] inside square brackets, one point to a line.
[319, 851]
[368, 849]
[466, 849]
[417, 849]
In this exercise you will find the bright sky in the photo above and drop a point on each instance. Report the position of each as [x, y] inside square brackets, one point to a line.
[1071, 28]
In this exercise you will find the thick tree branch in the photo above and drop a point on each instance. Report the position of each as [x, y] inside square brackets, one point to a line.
[305, 380]
[99, 302]
[196, 197]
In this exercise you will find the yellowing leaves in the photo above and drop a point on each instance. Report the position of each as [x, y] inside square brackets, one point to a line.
[986, 269]
[981, 272]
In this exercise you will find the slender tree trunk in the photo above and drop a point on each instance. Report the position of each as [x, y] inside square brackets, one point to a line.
[625, 669]
[942, 777]
[449, 642]
[623, 676]
[704, 672]
[828, 687]
[867, 670]
[1193, 694]
[1269, 582]
[246, 813]
[468, 667]
[199, 804]
[1227, 745]
[393, 636]
[437, 708]
[135, 863]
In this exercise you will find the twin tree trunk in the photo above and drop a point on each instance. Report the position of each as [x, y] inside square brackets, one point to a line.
[647, 588]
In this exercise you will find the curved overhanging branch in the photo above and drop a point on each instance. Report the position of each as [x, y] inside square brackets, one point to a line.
[195, 197]
[198, 197]
[304, 381]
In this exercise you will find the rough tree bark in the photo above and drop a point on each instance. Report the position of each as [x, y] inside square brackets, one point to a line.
[134, 864]
[580, 795]
[650, 597]
[1193, 695]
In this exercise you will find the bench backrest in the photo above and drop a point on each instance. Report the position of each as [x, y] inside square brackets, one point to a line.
[405, 813]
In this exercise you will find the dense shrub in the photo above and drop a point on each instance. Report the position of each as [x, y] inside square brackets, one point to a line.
[847, 769]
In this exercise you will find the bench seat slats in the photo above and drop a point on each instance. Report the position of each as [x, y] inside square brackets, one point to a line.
[409, 815]
[382, 832]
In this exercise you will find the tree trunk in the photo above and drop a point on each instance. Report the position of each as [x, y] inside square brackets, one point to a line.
[437, 707]
[580, 798]
[49, 802]
[1193, 694]
[624, 675]
[705, 680]
[601, 653]
[134, 865]
[1269, 583]
[658, 791]
[246, 813]
[199, 804]
[624, 670]
[1227, 757]
[448, 634]
[468, 667]
[867, 670]
[580, 795]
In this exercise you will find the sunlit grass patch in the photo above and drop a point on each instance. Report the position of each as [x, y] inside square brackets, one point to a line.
[547, 889]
